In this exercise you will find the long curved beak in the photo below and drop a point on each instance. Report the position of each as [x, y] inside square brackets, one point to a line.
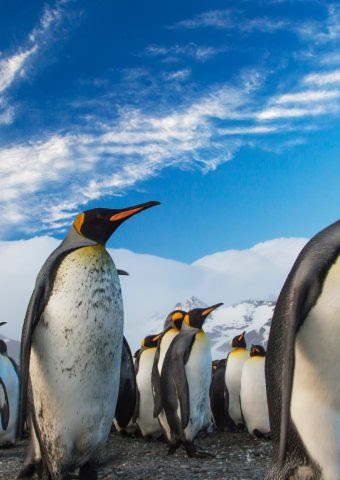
[2, 323]
[208, 310]
[125, 213]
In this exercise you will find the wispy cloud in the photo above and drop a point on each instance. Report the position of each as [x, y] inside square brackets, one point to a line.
[13, 66]
[178, 74]
[191, 50]
[321, 31]
[276, 112]
[323, 78]
[231, 19]
[308, 96]
[248, 130]
[117, 156]
[211, 18]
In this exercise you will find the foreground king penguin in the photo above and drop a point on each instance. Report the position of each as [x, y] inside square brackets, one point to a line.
[185, 382]
[302, 365]
[71, 350]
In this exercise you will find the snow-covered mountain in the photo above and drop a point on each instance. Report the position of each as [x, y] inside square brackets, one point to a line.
[222, 325]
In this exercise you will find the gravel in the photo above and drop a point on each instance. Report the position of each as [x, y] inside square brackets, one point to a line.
[238, 457]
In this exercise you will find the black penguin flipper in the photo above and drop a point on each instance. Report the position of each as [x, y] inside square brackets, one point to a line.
[299, 294]
[174, 383]
[36, 306]
[4, 406]
[137, 359]
[156, 381]
[217, 396]
[127, 388]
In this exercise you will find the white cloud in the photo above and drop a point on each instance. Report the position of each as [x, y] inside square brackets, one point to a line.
[173, 53]
[323, 78]
[272, 113]
[178, 74]
[211, 18]
[155, 284]
[308, 96]
[115, 157]
[323, 31]
[247, 130]
[11, 67]
[331, 58]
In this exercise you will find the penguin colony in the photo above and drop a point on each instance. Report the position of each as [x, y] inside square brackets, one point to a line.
[77, 374]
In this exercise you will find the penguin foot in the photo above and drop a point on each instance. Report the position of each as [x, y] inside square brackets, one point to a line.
[172, 449]
[27, 471]
[88, 471]
[193, 452]
[262, 436]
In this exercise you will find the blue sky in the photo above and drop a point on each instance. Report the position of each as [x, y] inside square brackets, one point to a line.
[226, 112]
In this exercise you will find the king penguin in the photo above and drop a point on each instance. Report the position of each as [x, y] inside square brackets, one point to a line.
[147, 423]
[71, 349]
[253, 396]
[185, 382]
[9, 396]
[302, 365]
[126, 402]
[234, 363]
[218, 394]
[171, 329]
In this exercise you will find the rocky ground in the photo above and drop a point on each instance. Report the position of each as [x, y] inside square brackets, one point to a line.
[238, 457]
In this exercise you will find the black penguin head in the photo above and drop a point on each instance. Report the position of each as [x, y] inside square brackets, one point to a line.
[257, 351]
[196, 317]
[150, 341]
[174, 319]
[239, 341]
[99, 224]
[3, 347]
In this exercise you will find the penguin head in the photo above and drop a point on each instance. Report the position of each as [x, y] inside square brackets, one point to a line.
[174, 319]
[3, 347]
[99, 224]
[196, 317]
[257, 351]
[239, 341]
[216, 364]
[150, 341]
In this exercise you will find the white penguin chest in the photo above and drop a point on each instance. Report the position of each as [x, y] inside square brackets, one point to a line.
[164, 346]
[254, 396]
[236, 360]
[198, 373]
[315, 404]
[76, 348]
[11, 381]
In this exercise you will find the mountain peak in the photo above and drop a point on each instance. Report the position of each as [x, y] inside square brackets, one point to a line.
[190, 303]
